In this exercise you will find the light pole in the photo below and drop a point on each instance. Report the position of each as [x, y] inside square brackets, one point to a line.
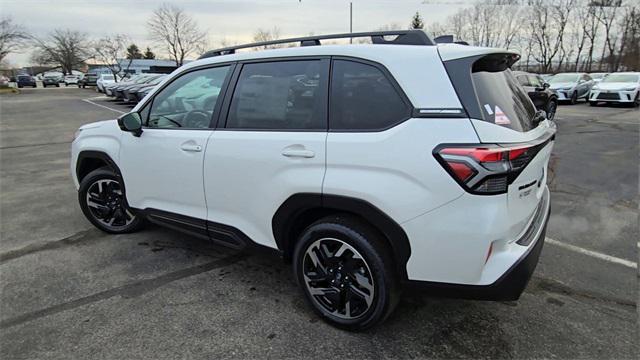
[350, 21]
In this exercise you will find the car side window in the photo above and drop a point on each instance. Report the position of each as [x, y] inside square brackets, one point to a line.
[280, 95]
[189, 101]
[363, 98]
[534, 81]
[523, 80]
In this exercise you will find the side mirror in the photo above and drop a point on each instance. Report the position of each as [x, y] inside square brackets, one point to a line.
[131, 122]
[546, 85]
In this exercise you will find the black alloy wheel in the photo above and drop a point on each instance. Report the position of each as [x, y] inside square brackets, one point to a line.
[102, 200]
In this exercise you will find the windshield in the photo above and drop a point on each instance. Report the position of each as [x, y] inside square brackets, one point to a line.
[24, 77]
[564, 78]
[598, 75]
[621, 78]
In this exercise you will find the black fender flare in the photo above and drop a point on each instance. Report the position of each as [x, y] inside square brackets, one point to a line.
[288, 214]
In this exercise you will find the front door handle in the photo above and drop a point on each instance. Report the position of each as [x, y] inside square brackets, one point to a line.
[298, 153]
[191, 147]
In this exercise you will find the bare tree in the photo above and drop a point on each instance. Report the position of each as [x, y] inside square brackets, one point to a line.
[177, 31]
[263, 35]
[628, 53]
[65, 48]
[548, 21]
[111, 51]
[12, 37]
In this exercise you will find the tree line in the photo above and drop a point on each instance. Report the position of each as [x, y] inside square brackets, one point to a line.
[554, 35]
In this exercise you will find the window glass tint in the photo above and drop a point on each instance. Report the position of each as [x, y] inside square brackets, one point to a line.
[362, 98]
[503, 100]
[535, 81]
[279, 95]
[523, 80]
[189, 101]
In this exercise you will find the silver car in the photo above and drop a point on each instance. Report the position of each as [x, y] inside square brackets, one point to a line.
[571, 86]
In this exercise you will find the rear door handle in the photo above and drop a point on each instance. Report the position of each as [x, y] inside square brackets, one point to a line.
[298, 153]
[191, 147]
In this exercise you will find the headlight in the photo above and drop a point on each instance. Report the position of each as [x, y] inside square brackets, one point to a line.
[629, 89]
[76, 134]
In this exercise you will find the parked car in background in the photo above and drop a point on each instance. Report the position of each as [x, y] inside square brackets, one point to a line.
[89, 79]
[538, 90]
[571, 86]
[622, 87]
[109, 89]
[26, 80]
[118, 91]
[546, 77]
[103, 80]
[71, 79]
[131, 92]
[597, 77]
[51, 80]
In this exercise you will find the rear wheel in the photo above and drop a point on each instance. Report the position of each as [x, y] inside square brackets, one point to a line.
[103, 202]
[346, 273]
[636, 102]
[593, 103]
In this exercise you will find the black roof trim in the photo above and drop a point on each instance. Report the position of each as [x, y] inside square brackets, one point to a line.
[403, 37]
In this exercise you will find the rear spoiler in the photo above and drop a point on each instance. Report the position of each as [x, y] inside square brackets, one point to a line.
[448, 39]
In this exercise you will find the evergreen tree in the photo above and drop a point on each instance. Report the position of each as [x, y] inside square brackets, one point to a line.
[148, 54]
[416, 22]
[133, 52]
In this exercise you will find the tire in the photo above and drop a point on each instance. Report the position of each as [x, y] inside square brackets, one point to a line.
[363, 272]
[104, 204]
[574, 98]
[65, 84]
[44, 86]
[593, 103]
[19, 86]
[57, 85]
[636, 102]
[552, 107]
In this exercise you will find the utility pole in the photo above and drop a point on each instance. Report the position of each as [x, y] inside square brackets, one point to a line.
[350, 21]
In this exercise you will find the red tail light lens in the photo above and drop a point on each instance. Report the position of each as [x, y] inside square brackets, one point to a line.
[485, 169]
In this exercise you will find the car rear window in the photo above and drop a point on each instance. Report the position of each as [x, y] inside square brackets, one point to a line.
[502, 100]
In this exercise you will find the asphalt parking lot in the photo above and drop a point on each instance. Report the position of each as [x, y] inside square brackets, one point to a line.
[70, 291]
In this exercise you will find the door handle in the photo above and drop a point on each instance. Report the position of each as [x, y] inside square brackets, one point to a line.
[191, 147]
[298, 153]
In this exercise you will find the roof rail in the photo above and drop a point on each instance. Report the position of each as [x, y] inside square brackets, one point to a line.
[403, 37]
[448, 39]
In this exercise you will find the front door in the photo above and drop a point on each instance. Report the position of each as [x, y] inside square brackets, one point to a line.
[162, 169]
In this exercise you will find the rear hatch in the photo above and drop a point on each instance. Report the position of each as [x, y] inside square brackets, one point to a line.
[515, 139]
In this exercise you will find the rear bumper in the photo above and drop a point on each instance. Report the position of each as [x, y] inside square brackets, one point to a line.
[510, 282]
[508, 287]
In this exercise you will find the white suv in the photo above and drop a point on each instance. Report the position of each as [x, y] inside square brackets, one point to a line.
[371, 167]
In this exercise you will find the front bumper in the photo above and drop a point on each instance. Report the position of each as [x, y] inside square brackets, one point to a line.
[564, 95]
[612, 96]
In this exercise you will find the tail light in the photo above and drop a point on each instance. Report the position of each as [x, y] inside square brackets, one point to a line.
[485, 169]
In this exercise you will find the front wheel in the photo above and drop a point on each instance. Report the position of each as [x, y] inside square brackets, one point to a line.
[574, 98]
[551, 110]
[103, 202]
[344, 269]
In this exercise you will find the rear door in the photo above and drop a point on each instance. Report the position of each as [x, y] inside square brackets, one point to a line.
[269, 145]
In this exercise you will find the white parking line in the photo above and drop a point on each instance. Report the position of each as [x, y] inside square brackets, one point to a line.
[595, 254]
[102, 106]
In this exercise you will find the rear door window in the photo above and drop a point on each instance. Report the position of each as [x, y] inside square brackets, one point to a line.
[280, 95]
[363, 98]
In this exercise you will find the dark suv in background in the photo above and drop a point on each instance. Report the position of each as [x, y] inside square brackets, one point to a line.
[26, 80]
[543, 97]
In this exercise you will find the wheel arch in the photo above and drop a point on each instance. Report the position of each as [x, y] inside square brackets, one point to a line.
[301, 210]
[90, 160]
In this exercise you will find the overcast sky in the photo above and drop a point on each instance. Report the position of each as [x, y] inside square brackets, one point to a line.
[235, 21]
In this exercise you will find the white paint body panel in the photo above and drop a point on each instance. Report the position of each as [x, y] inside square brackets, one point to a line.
[247, 177]
[159, 174]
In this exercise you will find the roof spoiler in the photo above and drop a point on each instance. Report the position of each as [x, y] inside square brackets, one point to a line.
[402, 37]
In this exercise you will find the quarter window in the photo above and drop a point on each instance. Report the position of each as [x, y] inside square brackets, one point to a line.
[189, 101]
[285, 95]
[363, 98]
